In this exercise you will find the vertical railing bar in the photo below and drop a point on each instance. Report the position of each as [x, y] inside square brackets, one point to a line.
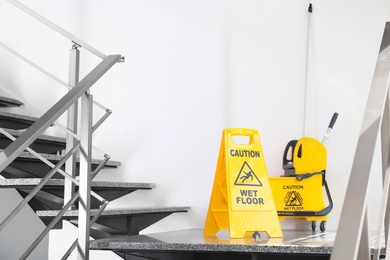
[50, 226]
[101, 120]
[85, 177]
[93, 220]
[57, 28]
[36, 189]
[72, 113]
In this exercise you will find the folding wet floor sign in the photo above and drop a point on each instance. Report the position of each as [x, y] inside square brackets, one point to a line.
[241, 200]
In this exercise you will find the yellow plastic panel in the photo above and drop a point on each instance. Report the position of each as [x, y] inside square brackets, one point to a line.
[309, 156]
[293, 195]
[241, 199]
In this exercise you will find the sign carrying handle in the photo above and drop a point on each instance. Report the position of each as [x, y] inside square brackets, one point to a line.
[245, 132]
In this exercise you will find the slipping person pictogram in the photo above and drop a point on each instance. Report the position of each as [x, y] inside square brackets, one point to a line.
[247, 177]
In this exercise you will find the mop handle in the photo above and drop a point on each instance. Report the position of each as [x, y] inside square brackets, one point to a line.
[331, 124]
[306, 105]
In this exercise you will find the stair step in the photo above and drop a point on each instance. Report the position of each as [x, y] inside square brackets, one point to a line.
[192, 244]
[15, 121]
[116, 221]
[26, 165]
[44, 144]
[52, 194]
[9, 102]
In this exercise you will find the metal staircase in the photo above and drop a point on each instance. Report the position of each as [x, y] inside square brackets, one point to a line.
[55, 175]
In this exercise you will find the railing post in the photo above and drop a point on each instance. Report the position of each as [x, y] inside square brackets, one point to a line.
[70, 165]
[85, 177]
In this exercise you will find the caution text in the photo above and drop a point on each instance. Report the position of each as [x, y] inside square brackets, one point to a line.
[292, 187]
[245, 153]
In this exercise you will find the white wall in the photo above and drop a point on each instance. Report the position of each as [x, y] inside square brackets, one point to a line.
[195, 67]
[21, 231]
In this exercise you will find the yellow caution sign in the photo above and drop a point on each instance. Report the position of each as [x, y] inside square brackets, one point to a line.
[241, 199]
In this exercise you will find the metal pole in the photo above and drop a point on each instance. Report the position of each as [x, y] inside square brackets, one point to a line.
[364, 246]
[385, 145]
[70, 165]
[382, 214]
[305, 116]
[352, 218]
[85, 177]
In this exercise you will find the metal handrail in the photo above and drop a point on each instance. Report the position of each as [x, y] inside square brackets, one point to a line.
[34, 131]
[12, 151]
[40, 69]
[58, 29]
[77, 90]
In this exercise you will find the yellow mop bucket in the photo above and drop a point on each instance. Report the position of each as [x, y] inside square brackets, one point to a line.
[299, 192]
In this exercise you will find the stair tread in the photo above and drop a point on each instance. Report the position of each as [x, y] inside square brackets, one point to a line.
[193, 240]
[53, 157]
[17, 133]
[32, 182]
[6, 101]
[114, 212]
[17, 116]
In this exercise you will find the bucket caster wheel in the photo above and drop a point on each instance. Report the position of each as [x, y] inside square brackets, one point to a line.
[323, 226]
[313, 226]
[256, 236]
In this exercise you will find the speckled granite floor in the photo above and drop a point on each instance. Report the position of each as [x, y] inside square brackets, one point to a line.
[296, 244]
[305, 242]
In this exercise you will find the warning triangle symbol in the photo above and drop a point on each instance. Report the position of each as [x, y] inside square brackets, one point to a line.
[247, 177]
[293, 198]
